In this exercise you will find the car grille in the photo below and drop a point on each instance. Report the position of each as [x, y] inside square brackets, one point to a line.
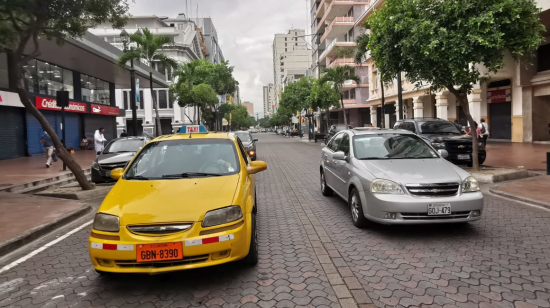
[113, 166]
[433, 190]
[184, 261]
[159, 229]
[456, 147]
[424, 216]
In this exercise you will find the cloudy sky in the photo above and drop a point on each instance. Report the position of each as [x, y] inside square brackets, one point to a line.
[246, 29]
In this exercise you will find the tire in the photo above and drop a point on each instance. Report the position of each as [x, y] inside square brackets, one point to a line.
[356, 210]
[252, 258]
[325, 190]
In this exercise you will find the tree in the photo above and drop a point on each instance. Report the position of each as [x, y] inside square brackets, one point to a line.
[337, 76]
[239, 116]
[205, 97]
[452, 44]
[296, 95]
[23, 22]
[222, 81]
[323, 96]
[149, 48]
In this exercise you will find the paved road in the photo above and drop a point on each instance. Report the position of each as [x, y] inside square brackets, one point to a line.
[312, 256]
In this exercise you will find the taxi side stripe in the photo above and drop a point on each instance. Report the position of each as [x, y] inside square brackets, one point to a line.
[111, 246]
[210, 240]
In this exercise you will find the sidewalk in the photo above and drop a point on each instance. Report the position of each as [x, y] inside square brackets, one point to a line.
[531, 156]
[24, 218]
[532, 190]
[28, 169]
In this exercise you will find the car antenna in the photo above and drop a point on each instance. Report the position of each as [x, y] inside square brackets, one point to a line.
[190, 135]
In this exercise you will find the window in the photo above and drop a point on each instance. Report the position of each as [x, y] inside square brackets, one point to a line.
[161, 68]
[344, 144]
[335, 142]
[95, 90]
[285, 39]
[141, 100]
[169, 73]
[124, 145]
[47, 79]
[125, 99]
[163, 99]
[170, 100]
[391, 146]
[68, 84]
[408, 126]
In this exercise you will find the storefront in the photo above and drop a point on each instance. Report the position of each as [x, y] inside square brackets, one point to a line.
[12, 126]
[499, 110]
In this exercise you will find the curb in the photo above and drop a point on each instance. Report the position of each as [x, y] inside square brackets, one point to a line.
[41, 230]
[517, 198]
[497, 178]
[81, 195]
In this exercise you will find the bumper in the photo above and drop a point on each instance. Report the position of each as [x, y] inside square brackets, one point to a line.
[100, 175]
[121, 256]
[453, 157]
[414, 210]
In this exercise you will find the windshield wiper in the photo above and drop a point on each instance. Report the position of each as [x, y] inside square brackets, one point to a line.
[372, 158]
[188, 175]
[138, 177]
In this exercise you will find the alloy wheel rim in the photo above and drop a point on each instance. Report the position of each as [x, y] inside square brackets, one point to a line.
[354, 207]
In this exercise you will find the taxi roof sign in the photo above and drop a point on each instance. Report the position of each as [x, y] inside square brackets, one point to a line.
[193, 129]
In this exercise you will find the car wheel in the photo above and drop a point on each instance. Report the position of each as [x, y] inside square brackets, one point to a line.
[252, 258]
[356, 208]
[325, 190]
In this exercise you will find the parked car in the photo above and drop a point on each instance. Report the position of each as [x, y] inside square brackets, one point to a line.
[248, 142]
[333, 130]
[117, 154]
[396, 177]
[444, 135]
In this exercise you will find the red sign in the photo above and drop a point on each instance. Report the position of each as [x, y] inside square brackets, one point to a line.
[51, 104]
[105, 110]
[499, 96]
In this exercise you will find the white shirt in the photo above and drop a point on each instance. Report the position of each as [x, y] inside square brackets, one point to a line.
[98, 141]
[486, 129]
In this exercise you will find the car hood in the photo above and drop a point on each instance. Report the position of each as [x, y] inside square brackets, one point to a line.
[444, 137]
[115, 157]
[181, 200]
[415, 171]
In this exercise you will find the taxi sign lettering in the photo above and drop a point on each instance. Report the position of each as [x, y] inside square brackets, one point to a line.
[192, 129]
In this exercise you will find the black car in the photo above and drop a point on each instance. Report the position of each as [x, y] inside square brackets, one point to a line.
[249, 143]
[117, 154]
[444, 135]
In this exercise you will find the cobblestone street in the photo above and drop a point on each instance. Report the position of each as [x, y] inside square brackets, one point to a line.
[311, 255]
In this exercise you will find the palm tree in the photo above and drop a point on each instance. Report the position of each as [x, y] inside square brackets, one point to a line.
[149, 47]
[337, 76]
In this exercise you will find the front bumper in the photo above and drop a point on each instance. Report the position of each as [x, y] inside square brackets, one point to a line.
[121, 256]
[414, 210]
[100, 176]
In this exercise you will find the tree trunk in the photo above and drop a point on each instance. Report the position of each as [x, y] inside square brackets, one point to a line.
[466, 108]
[61, 151]
[343, 109]
[158, 129]
[328, 120]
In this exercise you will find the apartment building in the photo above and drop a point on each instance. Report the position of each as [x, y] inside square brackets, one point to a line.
[335, 28]
[515, 103]
[290, 52]
[250, 108]
[189, 43]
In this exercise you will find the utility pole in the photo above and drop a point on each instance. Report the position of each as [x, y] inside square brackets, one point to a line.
[383, 117]
[399, 96]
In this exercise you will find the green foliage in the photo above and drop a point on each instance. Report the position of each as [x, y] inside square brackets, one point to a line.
[149, 48]
[221, 78]
[240, 116]
[436, 41]
[205, 95]
[323, 96]
[362, 47]
[337, 76]
[296, 96]
[265, 122]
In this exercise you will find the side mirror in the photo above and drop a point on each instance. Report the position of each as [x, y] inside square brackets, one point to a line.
[443, 153]
[117, 173]
[98, 153]
[256, 166]
[255, 139]
[339, 155]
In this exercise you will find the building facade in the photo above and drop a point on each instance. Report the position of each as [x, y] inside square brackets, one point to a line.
[210, 35]
[250, 108]
[335, 29]
[515, 103]
[290, 52]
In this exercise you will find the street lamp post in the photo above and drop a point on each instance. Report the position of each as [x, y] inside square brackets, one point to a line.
[125, 37]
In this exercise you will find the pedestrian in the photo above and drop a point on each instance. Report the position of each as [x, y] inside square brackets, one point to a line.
[145, 133]
[477, 128]
[484, 132]
[123, 134]
[48, 148]
[99, 140]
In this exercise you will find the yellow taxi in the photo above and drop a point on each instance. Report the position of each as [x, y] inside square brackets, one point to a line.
[185, 201]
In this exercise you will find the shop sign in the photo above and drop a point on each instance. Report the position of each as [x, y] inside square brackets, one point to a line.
[499, 96]
[105, 110]
[51, 104]
[10, 99]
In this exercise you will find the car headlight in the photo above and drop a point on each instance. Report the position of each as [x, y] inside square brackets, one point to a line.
[95, 165]
[106, 222]
[470, 184]
[385, 187]
[222, 216]
[438, 145]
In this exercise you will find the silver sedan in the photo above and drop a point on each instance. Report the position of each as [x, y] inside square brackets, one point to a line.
[394, 177]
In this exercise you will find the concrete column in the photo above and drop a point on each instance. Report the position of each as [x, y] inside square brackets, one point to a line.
[474, 100]
[418, 107]
[397, 111]
[441, 104]
[148, 123]
[373, 116]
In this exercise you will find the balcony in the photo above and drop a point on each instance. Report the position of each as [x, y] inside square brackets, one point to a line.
[342, 62]
[338, 27]
[331, 48]
[320, 9]
[350, 101]
[338, 8]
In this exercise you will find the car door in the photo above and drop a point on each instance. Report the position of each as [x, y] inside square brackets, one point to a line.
[328, 151]
[341, 167]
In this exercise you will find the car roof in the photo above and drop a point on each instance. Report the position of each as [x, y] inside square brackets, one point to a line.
[209, 135]
[133, 138]
[359, 131]
[424, 120]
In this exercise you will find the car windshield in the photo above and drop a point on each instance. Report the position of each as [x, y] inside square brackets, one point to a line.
[438, 127]
[245, 137]
[124, 145]
[391, 146]
[184, 158]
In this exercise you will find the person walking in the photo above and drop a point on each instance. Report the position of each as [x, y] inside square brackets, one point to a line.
[484, 133]
[124, 133]
[48, 148]
[477, 128]
[145, 133]
[99, 140]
